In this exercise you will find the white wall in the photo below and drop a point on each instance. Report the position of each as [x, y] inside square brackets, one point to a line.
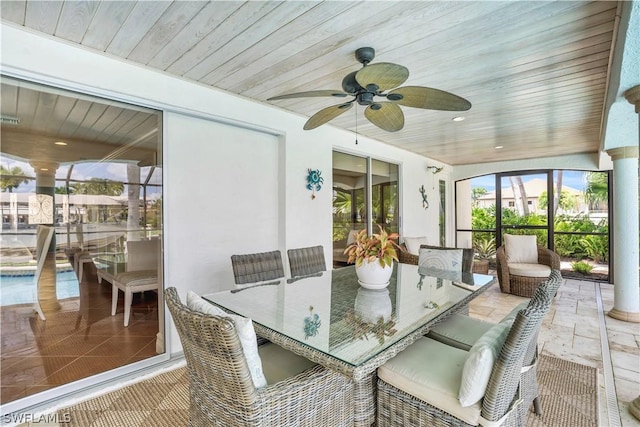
[215, 142]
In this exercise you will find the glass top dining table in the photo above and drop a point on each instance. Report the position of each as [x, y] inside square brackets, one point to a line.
[332, 320]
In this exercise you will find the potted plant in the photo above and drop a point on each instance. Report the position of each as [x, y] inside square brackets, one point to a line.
[485, 250]
[373, 256]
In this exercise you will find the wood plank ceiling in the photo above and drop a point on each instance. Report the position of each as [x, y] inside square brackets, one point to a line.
[534, 71]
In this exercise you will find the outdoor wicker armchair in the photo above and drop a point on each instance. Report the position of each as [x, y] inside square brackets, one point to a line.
[221, 389]
[401, 378]
[523, 285]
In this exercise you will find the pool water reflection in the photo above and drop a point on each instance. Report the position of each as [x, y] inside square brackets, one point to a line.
[21, 289]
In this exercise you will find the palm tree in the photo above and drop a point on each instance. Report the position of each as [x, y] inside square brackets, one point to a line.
[520, 195]
[98, 186]
[476, 193]
[11, 178]
[597, 191]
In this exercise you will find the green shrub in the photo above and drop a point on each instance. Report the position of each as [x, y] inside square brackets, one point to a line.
[581, 267]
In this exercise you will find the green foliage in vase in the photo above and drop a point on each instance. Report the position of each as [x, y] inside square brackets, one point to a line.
[379, 246]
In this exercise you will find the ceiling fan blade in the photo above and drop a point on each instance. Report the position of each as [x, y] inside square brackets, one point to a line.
[429, 98]
[385, 115]
[311, 93]
[326, 114]
[383, 74]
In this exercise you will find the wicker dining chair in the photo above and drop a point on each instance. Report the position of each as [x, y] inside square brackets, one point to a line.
[463, 331]
[306, 261]
[467, 257]
[222, 392]
[501, 399]
[257, 267]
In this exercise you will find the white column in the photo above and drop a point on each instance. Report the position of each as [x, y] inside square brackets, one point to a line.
[626, 228]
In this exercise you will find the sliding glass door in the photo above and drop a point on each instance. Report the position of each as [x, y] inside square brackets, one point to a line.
[365, 196]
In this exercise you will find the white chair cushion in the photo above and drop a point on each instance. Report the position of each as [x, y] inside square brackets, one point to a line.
[463, 331]
[137, 278]
[529, 270]
[431, 371]
[460, 331]
[520, 248]
[351, 237]
[280, 364]
[246, 334]
[441, 259]
[413, 244]
[478, 366]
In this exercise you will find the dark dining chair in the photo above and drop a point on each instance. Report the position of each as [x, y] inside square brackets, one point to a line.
[257, 267]
[306, 261]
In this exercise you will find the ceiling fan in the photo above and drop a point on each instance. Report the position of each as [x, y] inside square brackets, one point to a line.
[372, 81]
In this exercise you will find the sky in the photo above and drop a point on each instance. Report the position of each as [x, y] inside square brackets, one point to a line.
[84, 171]
[573, 179]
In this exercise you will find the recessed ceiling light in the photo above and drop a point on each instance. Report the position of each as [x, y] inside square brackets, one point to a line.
[458, 119]
[497, 147]
[60, 143]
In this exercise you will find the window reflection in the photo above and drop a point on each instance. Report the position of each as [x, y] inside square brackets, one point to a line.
[98, 161]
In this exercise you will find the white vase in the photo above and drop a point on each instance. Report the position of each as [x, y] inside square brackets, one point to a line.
[372, 275]
[372, 304]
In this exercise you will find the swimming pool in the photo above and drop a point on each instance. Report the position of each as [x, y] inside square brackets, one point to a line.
[22, 290]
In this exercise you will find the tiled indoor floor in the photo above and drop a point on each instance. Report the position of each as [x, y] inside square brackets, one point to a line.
[571, 331]
[80, 340]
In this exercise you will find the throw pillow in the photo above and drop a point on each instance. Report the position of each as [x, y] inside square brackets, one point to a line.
[413, 244]
[478, 366]
[520, 249]
[441, 259]
[246, 334]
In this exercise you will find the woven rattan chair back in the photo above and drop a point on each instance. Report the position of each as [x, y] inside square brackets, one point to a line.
[305, 261]
[467, 256]
[258, 267]
[543, 295]
[219, 378]
[504, 383]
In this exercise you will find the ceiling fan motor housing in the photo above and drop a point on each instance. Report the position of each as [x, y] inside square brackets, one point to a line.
[364, 55]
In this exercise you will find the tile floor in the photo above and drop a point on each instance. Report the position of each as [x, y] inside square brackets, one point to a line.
[571, 331]
[80, 340]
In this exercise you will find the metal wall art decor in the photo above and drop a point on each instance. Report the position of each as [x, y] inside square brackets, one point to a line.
[311, 324]
[314, 181]
[425, 202]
